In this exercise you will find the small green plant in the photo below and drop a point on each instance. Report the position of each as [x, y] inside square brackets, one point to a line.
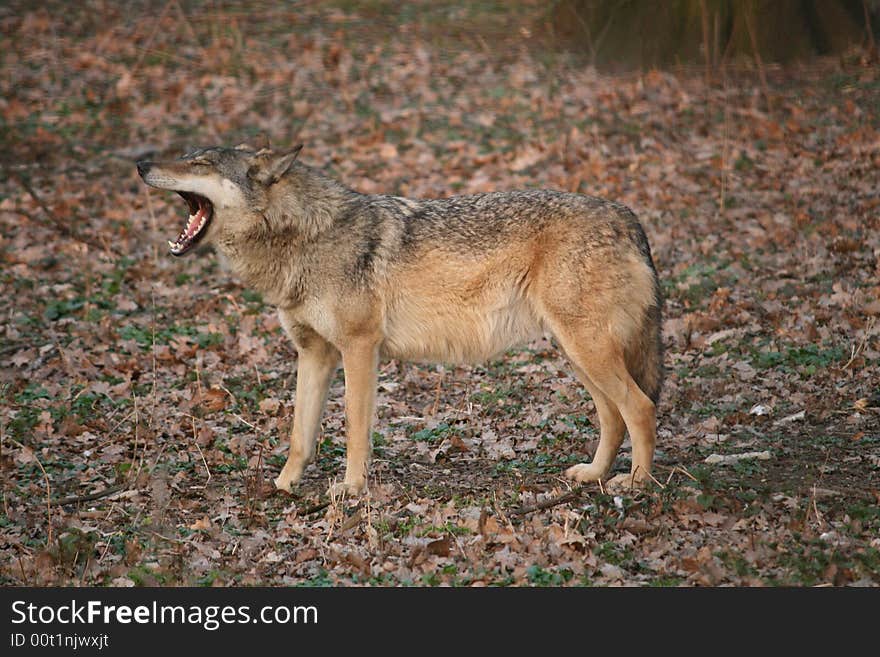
[539, 576]
[806, 359]
[665, 581]
[434, 434]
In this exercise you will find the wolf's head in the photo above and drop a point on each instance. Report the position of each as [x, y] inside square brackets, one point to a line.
[224, 188]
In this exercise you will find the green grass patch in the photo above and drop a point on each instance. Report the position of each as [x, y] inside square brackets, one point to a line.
[805, 360]
[539, 576]
[694, 285]
[434, 434]
[143, 335]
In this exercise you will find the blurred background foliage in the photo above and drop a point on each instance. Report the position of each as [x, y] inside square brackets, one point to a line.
[620, 34]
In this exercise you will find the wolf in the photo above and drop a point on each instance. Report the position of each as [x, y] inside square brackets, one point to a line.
[360, 277]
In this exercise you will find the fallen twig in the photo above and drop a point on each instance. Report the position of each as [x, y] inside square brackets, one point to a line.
[169, 538]
[725, 459]
[352, 521]
[56, 222]
[679, 468]
[11, 349]
[659, 485]
[570, 496]
[48, 489]
[90, 497]
[315, 508]
[858, 349]
[199, 448]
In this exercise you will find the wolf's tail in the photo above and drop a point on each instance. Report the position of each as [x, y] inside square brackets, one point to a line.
[644, 353]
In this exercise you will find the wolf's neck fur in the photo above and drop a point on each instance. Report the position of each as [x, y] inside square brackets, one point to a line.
[306, 202]
[275, 254]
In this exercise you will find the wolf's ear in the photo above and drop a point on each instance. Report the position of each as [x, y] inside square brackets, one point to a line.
[275, 165]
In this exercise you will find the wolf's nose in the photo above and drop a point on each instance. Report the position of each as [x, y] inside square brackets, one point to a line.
[143, 167]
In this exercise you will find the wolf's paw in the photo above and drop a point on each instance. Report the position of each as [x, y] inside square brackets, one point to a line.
[290, 475]
[286, 481]
[346, 489]
[285, 484]
[583, 472]
[626, 482]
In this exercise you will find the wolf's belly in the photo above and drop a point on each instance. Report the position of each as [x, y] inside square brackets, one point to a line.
[458, 333]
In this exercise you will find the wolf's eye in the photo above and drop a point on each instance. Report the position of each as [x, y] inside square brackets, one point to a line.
[200, 163]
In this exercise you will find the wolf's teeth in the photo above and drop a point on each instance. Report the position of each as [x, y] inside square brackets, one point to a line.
[172, 244]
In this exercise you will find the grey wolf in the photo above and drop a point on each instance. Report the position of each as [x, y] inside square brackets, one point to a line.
[360, 277]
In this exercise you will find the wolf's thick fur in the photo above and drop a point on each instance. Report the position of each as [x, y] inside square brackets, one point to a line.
[358, 277]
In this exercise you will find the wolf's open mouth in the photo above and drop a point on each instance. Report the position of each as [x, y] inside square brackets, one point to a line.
[200, 213]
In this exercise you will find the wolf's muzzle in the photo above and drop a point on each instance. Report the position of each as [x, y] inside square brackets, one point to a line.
[144, 167]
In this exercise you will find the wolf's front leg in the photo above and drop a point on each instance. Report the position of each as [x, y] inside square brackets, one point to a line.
[315, 366]
[361, 362]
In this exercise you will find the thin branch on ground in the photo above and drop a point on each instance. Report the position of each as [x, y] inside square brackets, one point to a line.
[54, 221]
[90, 497]
[48, 489]
[571, 496]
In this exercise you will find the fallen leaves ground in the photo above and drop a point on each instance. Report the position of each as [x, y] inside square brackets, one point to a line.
[146, 400]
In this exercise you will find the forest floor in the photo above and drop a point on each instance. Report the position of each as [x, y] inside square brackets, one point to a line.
[145, 400]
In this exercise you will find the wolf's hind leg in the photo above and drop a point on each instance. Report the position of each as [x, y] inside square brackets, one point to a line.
[611, 433]
[315, 366]
[602, 361]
